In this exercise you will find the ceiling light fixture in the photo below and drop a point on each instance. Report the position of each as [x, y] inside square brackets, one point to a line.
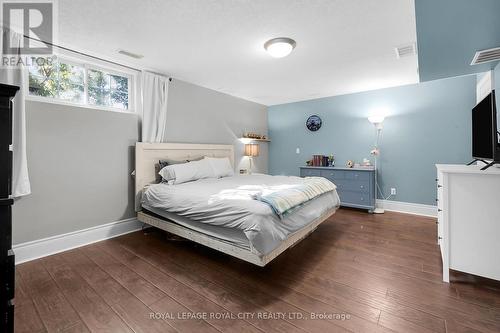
[279, 47]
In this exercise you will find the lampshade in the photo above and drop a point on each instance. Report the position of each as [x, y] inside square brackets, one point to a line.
[252, 149]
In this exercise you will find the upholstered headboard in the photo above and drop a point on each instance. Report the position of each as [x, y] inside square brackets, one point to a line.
[147, 156]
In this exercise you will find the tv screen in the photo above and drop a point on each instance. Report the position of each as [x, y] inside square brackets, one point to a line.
[484, 137]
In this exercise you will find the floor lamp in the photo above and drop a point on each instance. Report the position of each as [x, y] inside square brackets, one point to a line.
[251, 150]
[377, 122]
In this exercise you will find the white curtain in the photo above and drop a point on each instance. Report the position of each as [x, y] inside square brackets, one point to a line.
[16, 76]
[154, 106]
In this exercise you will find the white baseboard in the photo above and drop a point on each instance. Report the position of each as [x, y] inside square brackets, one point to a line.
[44, 247]
[407, 207]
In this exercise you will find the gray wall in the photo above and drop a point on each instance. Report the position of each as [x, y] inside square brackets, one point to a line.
[80, 159]
[428, 123]
[197, 114]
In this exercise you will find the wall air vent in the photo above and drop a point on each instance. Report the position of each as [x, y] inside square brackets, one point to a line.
[130, 54]
[484, 56]
[405, 50]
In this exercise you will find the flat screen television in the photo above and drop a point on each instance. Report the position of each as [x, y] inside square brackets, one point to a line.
[485, 135]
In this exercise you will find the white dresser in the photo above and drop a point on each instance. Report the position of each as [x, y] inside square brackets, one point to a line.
[468, 201]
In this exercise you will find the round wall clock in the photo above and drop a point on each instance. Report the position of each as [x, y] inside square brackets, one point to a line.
[313, 123]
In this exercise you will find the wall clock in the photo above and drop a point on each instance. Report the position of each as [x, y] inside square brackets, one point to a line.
[313, 123]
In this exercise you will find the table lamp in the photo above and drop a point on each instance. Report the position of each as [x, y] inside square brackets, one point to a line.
[251, 150]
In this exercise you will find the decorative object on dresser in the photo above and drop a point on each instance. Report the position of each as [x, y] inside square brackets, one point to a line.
[366, 162]
[331, 160]
[320, 160]
[313, 123]
[469, 219]
[7, 267]
[355, 186]
[377, 121]
[251, 150]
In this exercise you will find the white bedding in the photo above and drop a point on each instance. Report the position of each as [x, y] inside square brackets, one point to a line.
[227, 202]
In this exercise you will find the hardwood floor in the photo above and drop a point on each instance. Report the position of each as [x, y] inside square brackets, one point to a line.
[372, 273]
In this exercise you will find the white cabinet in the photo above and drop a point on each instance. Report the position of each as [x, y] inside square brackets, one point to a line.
[468, 201]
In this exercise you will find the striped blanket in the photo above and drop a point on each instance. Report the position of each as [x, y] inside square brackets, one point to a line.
[283, 199]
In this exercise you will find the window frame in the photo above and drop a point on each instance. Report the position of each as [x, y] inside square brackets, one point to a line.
[92, 65]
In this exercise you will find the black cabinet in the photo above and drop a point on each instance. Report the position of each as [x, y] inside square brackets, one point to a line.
[7, 264]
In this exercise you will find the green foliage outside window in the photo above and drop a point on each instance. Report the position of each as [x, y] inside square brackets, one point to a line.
[67, 82]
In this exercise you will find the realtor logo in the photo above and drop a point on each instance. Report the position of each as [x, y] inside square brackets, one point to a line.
[32, 19]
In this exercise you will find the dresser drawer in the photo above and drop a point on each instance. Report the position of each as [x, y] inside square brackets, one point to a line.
[5, 171]
[7, 266]
[333, 175]
[354, 198]
[7, 315]
[353, 185]
[310, 173]
[440, 226]
[6, 121]
[358, 175]
[5, 226]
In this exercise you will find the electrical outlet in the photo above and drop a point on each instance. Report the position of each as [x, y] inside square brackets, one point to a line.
[393, 191]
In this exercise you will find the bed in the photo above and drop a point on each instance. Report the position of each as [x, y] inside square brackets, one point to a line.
[216, 212]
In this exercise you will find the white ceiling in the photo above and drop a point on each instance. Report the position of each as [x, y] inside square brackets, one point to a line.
[343, 46]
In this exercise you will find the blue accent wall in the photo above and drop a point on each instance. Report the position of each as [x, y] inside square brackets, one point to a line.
[449, 32]
[428, 123]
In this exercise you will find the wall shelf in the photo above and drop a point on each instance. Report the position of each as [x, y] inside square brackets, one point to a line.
[257, 140]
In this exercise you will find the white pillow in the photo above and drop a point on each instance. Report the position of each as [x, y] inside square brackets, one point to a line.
[186, 172]
[221, 166]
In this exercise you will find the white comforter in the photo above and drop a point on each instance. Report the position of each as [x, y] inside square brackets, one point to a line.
[228, 202]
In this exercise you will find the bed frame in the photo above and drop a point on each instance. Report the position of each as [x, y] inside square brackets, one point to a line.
[146, 159]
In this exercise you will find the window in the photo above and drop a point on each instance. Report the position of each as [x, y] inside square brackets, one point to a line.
[64, 81]
[107, 89]
[57, 80]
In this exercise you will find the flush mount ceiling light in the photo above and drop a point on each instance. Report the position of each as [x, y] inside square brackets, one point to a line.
[279, 47]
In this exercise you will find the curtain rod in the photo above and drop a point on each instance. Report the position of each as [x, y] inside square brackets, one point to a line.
[89, 55]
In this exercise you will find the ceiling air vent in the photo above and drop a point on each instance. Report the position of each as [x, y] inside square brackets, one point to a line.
[405, 50]
[484, 56]
[130, 54]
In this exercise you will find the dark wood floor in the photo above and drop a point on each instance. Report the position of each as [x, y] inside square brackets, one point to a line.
[376, 273]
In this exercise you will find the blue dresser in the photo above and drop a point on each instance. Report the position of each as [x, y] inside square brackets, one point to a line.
[355, 186]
